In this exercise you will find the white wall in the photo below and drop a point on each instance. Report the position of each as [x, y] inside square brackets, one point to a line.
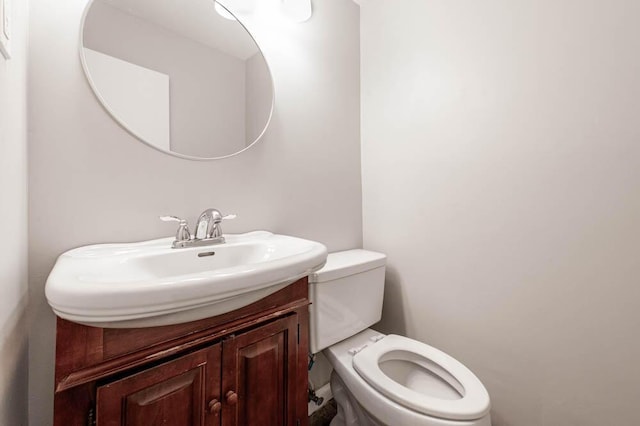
[13, 224]
[91, 182]
[501, 174]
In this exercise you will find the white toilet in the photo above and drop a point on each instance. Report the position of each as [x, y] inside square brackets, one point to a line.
[377, 379]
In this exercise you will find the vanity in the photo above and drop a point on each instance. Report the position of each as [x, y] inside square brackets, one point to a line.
[245, 367]
[182, 332]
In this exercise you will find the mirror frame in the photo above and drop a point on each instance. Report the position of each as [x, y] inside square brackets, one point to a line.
[106, 107]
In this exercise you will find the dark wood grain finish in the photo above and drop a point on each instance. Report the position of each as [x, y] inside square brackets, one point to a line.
[257, 369]
[129, 376]
[76, 347]
[75, 406]
[175, 393]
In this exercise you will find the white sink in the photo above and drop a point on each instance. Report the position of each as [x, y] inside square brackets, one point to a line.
[150, 284]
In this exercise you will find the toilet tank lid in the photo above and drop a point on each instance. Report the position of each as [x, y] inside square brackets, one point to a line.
[344, 263]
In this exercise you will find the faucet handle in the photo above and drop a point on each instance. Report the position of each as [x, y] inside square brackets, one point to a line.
[229, 216]
[171, 219]
[183, 233]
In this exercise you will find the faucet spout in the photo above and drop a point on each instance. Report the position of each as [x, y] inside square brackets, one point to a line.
[208, 225]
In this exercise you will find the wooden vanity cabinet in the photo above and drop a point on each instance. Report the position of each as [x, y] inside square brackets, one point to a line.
[243, 368]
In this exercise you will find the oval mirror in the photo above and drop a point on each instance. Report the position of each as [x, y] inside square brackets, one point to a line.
[185, 77]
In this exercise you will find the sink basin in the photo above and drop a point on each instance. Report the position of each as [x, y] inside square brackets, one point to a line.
[150, 284]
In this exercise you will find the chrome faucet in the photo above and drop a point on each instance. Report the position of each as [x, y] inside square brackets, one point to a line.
[208, 229]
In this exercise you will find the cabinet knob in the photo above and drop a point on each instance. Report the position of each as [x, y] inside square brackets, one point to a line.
[215, 406]
[232, 397]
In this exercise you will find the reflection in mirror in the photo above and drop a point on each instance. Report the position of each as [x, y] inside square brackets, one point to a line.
[178, 75]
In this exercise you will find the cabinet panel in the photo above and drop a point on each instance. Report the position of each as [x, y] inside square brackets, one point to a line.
[259, 376]
[261, 381]
[176, 393]
[176, 401]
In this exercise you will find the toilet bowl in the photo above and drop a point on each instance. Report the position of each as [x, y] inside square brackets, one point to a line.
[378, 379]
[399, 381]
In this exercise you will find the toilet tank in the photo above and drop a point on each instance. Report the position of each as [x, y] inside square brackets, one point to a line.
[346, 296]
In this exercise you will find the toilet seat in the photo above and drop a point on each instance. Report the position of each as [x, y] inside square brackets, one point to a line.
[473, 402]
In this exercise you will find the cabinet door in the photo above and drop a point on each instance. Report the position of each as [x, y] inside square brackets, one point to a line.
[259, 375]
[182, 392]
